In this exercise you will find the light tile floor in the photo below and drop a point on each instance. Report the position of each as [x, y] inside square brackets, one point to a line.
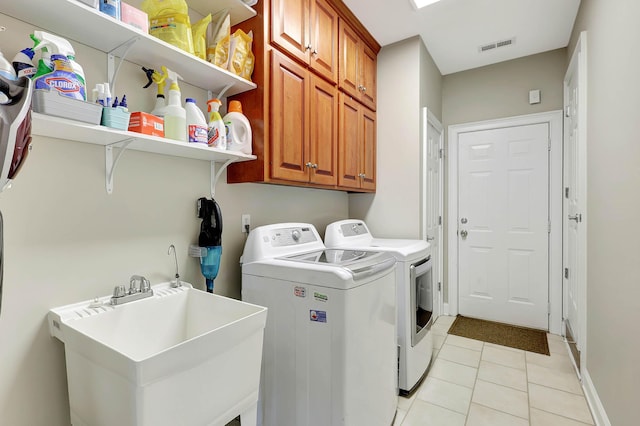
[472, 383]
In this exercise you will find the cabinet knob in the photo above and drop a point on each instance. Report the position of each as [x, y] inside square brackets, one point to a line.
[364, 89]
[308, 47]
[309, 164]
[315, 51]
[360, 87]
[314, 166]
[362, 175]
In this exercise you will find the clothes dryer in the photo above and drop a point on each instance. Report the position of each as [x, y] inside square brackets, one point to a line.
[415, 294]
[329, 352]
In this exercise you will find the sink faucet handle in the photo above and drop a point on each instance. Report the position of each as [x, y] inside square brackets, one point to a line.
[144, 284]
[119, 291]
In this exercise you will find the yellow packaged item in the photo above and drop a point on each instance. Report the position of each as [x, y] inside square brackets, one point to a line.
[241, 59]
[199, 31]
[221, 57]
[221, 28]
[169, 21]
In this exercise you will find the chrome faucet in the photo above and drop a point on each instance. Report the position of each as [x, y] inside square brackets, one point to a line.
[121, 295]
[177, 282]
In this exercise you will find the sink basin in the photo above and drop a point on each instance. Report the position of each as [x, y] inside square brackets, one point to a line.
[179, 357]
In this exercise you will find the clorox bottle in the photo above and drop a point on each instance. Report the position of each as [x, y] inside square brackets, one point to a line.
[175, 116]
[239, 134]
[196, 123]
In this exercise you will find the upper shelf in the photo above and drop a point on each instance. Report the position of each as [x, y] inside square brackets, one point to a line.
[79, 22]
[61, 128]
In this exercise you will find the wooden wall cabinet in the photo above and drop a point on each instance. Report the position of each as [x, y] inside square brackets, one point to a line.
[304, 124]
[307, 30]
[357, 66]
[306, 132]
[356, 146]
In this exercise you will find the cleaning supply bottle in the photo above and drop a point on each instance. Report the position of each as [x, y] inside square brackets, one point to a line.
[239, 134]
[216, 131]
[22, 63]
[63, 77]
[175, 116]
[159, 79]
[196, 123]
[169, 21]
[6, 69]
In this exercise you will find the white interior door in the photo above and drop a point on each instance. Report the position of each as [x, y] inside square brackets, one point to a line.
[432, 201]
[503, 224]
[574, 222]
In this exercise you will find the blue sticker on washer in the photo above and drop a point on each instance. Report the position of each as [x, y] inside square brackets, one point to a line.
[318, 316]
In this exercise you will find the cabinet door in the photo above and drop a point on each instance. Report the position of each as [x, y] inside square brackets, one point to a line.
[349, 61]
[324, 40]
[368, 77]
[323, 129]
[289, 117]
[290, 27]
[368, 140]
[348, 144]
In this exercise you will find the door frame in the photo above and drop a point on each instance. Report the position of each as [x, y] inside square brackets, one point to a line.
[427, 117]
[554, 120]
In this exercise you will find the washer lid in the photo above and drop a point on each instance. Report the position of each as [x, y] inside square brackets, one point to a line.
[359, 263]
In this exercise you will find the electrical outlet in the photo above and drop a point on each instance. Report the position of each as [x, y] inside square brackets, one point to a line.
[246, 223]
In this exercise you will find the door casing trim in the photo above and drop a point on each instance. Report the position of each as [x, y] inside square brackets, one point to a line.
[554, 119]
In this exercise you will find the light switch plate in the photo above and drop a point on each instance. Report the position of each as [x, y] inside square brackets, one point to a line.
[534, 96]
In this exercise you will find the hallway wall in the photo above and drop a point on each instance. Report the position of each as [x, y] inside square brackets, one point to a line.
[613, 203]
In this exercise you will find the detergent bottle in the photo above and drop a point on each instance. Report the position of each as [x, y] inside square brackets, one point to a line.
[175, 116]
[196, 123]
[6, 69]
[62, 78]
[216, 131]
[239, 135]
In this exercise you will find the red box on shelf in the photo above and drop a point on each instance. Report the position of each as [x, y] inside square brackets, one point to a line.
[146, 123]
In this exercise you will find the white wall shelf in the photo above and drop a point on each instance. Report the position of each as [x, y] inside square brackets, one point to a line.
[81, 23]
[71, 130]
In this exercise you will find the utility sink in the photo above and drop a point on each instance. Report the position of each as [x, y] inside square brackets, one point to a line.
[179, 357]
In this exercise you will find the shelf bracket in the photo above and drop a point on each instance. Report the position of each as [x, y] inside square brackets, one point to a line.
[224, 90]
[111, 164]
[215, 174]
[112, 68]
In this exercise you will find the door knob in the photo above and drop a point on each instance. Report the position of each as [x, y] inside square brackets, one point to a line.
[464, 233]
[463, 220]
[431, 238]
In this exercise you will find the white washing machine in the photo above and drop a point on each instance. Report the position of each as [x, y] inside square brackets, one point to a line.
[329, 352]
[415, 294]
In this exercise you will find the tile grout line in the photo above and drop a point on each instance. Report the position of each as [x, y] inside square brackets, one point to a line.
[473, 390]
[526, 373]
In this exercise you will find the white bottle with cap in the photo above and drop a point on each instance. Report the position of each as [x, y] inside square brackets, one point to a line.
[196, 123]
[239, 136]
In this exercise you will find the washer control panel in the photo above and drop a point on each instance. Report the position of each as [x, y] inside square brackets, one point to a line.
[291, 236]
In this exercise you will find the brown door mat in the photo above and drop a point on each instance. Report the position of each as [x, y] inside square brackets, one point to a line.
[498, 333]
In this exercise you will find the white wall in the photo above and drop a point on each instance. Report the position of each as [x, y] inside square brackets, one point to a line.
[407, 80]
[613, 175]
[66, 240]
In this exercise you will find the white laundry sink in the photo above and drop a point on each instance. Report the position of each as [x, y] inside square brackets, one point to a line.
[179, 357]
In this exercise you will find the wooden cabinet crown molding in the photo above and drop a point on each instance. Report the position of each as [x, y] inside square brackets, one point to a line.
[346, 14]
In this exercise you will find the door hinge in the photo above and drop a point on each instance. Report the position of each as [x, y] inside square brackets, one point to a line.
[549, 227]
[548, 308]
[441, 152]
[566, 273]
[439, 220]
[566, 111]
[549, 145]
[439, 286]
[566, 192]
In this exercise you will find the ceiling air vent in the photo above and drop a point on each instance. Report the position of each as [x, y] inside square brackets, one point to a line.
[496, 45]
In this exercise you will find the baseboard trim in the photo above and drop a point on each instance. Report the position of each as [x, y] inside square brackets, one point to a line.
[445, 308]
[597, 409]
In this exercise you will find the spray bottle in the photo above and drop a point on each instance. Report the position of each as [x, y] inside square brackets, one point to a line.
[62, 46]
[217, 133]
[158, 78]
[175, 116]
[62, 78]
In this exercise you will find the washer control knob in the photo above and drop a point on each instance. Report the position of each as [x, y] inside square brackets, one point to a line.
[295, 234]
